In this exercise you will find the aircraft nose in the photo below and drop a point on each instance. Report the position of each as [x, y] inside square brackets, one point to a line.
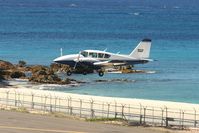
[57, 60]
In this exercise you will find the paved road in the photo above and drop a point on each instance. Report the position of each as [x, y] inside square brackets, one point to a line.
[16, 122]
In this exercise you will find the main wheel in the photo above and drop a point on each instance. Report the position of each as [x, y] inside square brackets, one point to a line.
[101, 73]
[69, 73]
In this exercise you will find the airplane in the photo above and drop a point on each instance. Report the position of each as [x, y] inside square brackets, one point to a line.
[98, 60]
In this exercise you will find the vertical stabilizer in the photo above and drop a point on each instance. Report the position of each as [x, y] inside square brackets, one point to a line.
[142, 51]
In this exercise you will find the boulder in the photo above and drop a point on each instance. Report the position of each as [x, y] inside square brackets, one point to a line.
[1, 76]
[57, 67]
[5, 65]
[17, 74]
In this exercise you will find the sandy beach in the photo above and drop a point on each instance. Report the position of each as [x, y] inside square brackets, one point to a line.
[124, 101]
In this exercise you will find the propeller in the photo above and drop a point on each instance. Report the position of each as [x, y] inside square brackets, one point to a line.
[76, 61]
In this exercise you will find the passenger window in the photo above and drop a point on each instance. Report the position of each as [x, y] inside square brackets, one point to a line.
[85, 54]
[107, 56]
[94, 55]
[100, 55]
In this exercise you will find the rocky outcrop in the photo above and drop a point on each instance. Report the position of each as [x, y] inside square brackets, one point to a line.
[5, 65]
[43, 74]
[17, 74]
[59, 67]
[1, 75]
[38, 73]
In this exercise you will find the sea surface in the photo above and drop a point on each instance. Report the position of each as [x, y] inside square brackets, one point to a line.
[35, 30]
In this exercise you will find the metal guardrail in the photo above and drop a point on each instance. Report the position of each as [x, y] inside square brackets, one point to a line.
[133, 114]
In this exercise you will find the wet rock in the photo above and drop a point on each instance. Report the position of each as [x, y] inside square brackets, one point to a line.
[17, 74]
[100, 80]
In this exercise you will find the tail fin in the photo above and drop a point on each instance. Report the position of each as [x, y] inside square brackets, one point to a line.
[142, 51]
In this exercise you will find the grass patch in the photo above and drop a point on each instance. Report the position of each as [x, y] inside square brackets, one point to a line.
[21, 109]
[58, 114]
[104, 119]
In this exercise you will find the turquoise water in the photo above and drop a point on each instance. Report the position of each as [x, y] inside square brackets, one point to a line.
[35, 31]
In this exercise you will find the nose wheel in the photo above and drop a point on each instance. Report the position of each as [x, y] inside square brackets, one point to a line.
[101, 73]
[69, 73]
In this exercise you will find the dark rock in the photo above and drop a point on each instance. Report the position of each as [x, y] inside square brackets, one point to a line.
[37, 68]
[100, 80]
[17, 74]
[1, 76]
[57, 67]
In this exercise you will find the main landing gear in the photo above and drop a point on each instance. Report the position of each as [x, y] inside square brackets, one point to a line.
[101, 73]
[69, 72]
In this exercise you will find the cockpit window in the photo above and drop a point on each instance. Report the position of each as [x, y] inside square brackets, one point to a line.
[100, 55]
[93, 55]
[85, 54]
[107, 56]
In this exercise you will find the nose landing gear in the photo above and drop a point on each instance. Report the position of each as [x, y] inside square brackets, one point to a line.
[69, 73]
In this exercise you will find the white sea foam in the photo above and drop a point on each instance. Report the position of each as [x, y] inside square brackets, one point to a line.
[150, 72]
[136, 13]
[73, 5]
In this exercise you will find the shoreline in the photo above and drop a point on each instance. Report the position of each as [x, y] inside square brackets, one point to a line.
[118, 100]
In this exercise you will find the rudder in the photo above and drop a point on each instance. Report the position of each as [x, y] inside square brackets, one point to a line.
[142, 51]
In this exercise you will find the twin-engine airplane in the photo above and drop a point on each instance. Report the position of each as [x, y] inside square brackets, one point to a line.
[98, 60]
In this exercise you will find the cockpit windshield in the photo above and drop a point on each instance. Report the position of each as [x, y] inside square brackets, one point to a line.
[85, 54]
[95, 54]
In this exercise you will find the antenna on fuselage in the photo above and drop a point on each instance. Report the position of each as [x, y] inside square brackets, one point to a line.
[61, 53]
[118, 52]
[105, 50]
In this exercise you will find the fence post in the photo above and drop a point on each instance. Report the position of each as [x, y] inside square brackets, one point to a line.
[91, 108]
[195, 122]
[7, 97]
[32, 101]
[45, 103]
[129, 116]
[182, 119]
[51, 103]
[15, 98]
[162, 116]
[153, 115]
[167, 122]
[55, 104]
[70, 109]
[123, 112]
[108, 110]
[103, 110]
[115, 109]
[144, 115]
[18, 98]
[140, 113]
[180, 122]
[80, 108]
[59, 104]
